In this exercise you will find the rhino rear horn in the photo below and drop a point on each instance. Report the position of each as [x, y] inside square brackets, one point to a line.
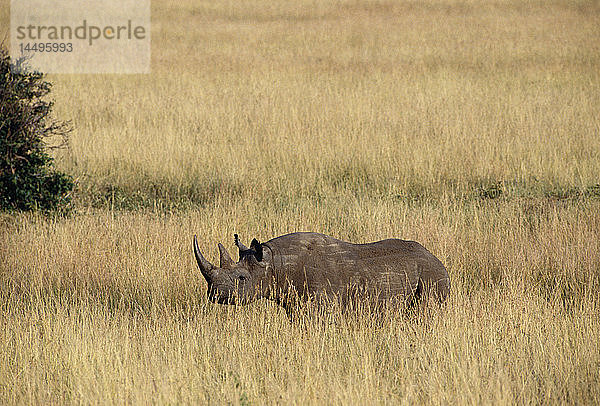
[226, 261]
[205, 266]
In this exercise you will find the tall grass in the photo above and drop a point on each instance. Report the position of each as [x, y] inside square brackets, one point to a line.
[308, 99]
[110, 308]
[472, 127]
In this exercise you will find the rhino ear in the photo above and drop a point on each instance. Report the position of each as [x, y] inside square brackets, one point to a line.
[258, 249]
[238, 243]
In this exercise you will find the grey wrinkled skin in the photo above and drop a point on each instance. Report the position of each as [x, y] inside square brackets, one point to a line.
[300, 267]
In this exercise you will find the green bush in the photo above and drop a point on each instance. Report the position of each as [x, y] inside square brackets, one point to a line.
[28, 180]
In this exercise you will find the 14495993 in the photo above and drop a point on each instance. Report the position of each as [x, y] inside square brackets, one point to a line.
[46, 47]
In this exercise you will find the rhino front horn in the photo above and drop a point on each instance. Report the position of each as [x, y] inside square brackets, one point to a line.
[205, 266]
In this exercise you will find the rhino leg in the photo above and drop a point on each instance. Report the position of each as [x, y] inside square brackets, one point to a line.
[435, 285]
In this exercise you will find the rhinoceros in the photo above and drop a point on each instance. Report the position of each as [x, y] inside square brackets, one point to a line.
[305, 266]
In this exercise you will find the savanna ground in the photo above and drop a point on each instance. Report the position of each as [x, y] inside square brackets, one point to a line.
[470, 126]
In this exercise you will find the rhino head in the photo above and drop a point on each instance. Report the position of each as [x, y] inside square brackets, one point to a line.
[237, 282]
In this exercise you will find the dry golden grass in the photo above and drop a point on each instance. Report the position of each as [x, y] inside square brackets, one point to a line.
[470, 126]
[109, 308]
[302, 99]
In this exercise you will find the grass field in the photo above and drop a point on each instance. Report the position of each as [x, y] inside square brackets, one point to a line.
[472, 127]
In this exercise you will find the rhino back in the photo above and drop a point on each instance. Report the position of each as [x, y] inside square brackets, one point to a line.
[318, 264]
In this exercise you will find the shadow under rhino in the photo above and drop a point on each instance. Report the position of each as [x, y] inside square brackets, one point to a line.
[300, 268]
